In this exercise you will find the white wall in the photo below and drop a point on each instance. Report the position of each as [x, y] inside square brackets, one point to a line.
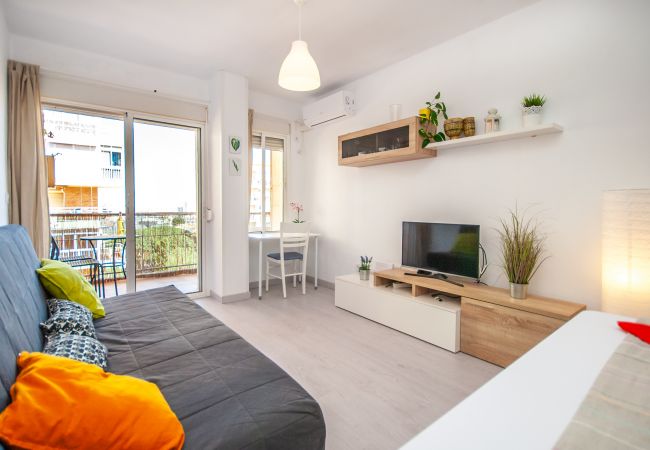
[104, 69]
[4, 182]
[589, 57]
[227, 233]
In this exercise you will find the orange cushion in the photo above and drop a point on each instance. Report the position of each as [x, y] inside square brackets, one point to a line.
[59, 403]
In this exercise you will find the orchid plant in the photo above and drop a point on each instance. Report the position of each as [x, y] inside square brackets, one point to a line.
[297, 207]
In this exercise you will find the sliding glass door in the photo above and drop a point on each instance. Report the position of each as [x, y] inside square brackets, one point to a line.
[124, 193]
[167, 204]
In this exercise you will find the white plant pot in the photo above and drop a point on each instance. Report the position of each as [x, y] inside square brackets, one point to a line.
[532, 116]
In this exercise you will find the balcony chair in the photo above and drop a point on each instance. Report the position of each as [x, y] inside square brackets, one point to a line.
[115, 264]
[292, 236]
[96, 268]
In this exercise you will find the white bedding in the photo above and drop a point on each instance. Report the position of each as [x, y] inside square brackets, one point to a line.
[529, 404]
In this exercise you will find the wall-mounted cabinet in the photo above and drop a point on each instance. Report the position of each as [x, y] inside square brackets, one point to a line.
[388, 143]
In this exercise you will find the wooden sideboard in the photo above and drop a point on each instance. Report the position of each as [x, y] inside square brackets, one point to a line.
[493, 326]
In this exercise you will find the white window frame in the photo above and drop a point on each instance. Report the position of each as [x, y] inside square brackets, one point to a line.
[285, 140]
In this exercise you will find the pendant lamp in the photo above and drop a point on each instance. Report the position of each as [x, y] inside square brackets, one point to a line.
[299, 71]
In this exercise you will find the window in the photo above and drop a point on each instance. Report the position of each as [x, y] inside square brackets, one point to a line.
[267, 184]
[114, 155]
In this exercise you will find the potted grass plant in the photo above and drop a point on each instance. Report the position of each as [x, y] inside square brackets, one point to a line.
[532, 110]
[364, 268]
[522, 247]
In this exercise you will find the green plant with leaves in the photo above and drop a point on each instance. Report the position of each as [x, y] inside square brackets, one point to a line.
[533, 100]
[178, 220]
[429, 121]
[522, 247]
[365, 263]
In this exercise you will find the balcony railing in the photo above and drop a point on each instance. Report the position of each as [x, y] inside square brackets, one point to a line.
[111, 173]
[166, 243]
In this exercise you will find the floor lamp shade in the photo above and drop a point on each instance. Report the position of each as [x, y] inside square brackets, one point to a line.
[626, 252]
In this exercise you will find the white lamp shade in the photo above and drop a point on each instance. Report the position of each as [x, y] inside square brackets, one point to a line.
[626, 252]
[299, 71]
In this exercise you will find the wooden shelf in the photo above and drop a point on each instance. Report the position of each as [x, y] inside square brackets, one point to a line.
[398, 141]
[558, 309]
[549, 128]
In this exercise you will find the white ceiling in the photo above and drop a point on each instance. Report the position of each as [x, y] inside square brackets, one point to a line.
[347, 38]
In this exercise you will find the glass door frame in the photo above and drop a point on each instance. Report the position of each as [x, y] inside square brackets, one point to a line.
[128, 117]
[129, 153]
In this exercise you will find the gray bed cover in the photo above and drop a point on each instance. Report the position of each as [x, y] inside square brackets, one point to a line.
[225, 392]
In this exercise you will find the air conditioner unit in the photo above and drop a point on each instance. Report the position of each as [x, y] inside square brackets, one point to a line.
[332, 107]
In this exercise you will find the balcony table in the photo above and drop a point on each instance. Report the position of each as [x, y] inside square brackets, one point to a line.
[275, 236]
[106, 238]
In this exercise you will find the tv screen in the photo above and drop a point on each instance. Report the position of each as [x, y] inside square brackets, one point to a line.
[441, 247]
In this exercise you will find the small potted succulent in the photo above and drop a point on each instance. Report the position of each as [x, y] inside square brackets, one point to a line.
[429, 121]
[532, 110]
[364, 268]
[522, 248]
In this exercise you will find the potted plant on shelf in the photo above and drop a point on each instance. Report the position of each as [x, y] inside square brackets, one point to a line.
[297, 207]
[522, 247]
[364, 268]
[429, 121]
[533, 107]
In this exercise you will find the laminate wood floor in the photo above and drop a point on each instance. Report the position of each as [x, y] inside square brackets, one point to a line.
[377, 387]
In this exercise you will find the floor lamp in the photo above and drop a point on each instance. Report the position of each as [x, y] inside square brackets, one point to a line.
[626, 252]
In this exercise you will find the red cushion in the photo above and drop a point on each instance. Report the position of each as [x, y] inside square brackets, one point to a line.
[639, 330]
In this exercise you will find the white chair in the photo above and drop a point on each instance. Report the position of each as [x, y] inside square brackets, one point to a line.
[294, 236]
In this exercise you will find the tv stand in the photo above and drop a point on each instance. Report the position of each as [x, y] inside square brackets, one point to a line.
[485, 322]
[437, 276]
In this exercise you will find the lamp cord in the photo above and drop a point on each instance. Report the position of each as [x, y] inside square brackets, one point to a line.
[300, 21]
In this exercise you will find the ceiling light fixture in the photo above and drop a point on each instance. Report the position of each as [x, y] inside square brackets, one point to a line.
[299, 71]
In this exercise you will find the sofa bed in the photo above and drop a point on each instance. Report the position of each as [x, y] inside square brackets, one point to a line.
[224, 391]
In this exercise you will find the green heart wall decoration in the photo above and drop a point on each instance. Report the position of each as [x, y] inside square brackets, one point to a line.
[235, 144]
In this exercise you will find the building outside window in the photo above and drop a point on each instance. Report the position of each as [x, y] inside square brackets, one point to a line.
[268, 180]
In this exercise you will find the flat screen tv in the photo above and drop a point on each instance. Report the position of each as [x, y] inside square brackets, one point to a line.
[441, 247]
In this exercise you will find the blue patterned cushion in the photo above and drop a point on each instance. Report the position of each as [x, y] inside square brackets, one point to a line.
[55, 304]
[68, 317]
[80, 348]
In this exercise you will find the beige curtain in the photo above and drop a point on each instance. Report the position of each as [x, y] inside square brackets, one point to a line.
[250, 154]
[28, 204]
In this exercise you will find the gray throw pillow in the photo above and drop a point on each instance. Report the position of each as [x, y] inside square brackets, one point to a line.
[80, 348]
[68, 317]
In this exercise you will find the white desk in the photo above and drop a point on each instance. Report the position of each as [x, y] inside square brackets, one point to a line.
[275, 236]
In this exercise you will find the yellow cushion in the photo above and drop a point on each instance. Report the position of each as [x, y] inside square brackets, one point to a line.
[63, 282]
[60, 403]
